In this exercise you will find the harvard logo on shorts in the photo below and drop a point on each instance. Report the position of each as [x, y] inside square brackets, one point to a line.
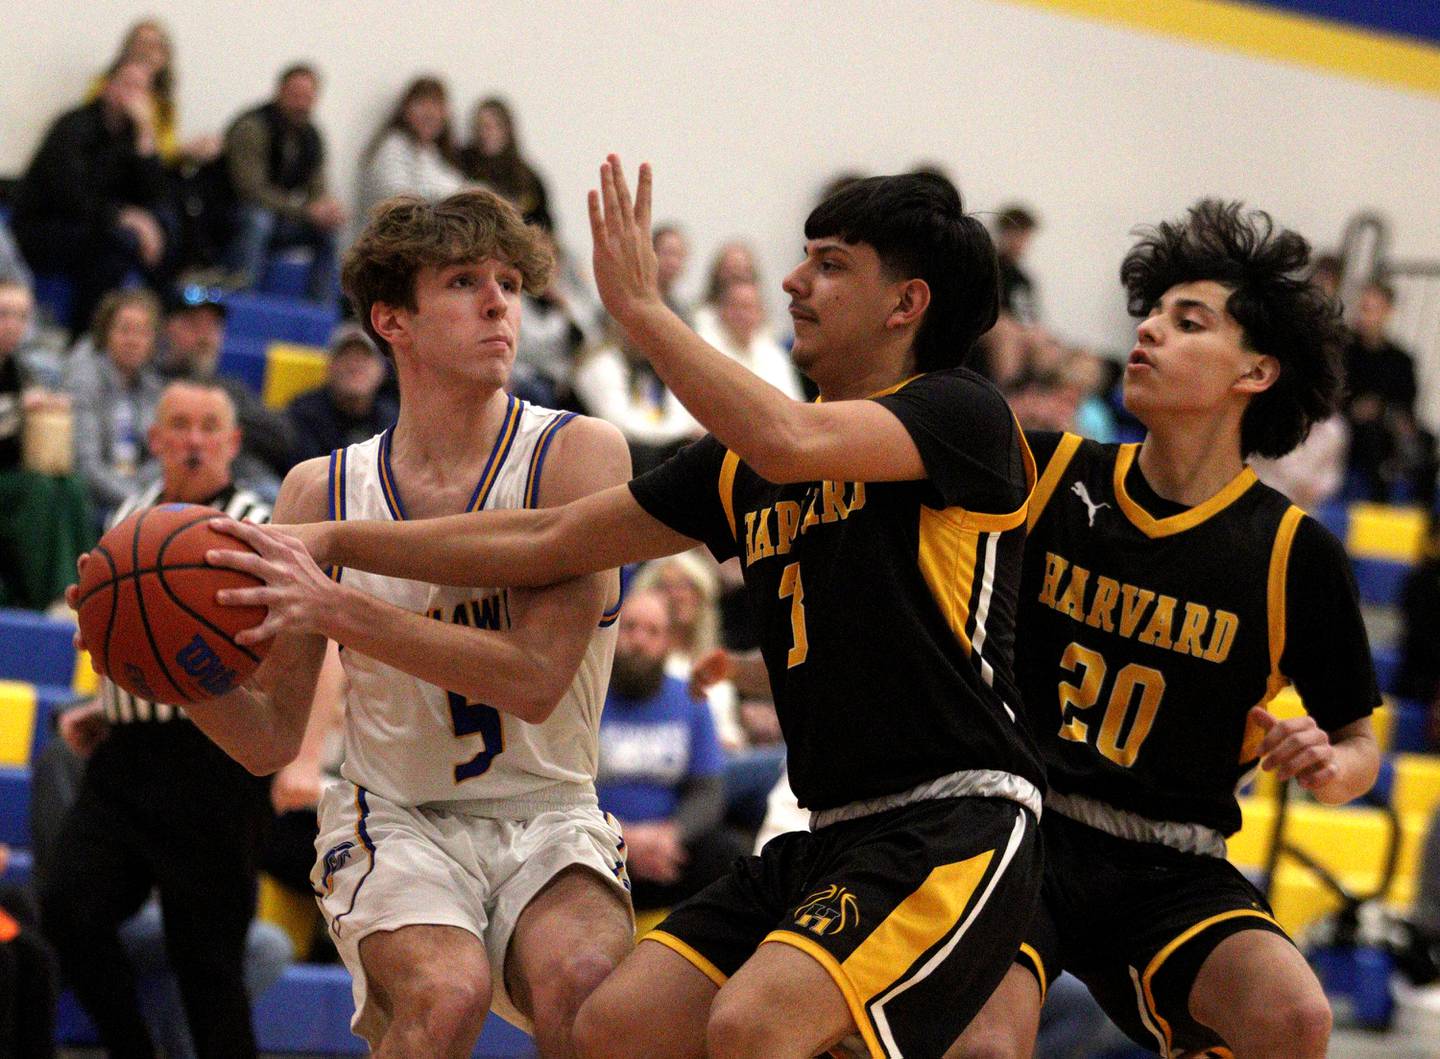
[828, 911]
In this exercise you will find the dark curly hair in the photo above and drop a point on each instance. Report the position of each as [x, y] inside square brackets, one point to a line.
[918, 227]
[1281, 314]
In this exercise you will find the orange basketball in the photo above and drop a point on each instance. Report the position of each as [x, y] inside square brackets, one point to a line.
[148, 613]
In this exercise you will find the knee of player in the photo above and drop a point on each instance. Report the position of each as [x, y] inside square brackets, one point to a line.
[1303, 1022]
[990, 1042]
[447, 1012]
[558, 992]
[738, 1028]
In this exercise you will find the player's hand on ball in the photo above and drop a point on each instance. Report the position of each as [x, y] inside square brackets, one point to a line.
[1296, 748]
[624, 260]
[298, 595]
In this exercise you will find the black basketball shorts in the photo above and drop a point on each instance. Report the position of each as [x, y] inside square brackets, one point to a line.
[916, 913]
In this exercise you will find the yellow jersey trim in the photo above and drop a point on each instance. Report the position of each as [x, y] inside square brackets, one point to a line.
[1165, 527]
[1054, 470]
[985, 522]
[1037, 965]
[842, 981]
[701, 964]
[728, 467]
[1271, 34]
[1275, 590]
[1169, 950]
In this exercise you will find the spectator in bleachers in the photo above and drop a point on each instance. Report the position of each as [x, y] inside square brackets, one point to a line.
[12, 262]
[149, 42]
[1015, 228]
[1328, 273]
[190, 349]
[276, 160]
[734, 262]
[560, 321]
[349, 408]
[1389, 451]
[1419, 676]
[493, 157]
[738, 330]
[661, 767]
[616, 384]
[89, 204]
[114, 391]
[1313, 471]
[44, 516]
[197, 192]
[414, 152]
[672, 254]
[161, 806]
[690, 585]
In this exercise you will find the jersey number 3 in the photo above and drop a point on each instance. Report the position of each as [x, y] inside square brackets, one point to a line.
[475, 718]
[1127, 721]
[792, 588]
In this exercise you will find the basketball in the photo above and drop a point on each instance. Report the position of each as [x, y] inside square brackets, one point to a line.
[148, 613]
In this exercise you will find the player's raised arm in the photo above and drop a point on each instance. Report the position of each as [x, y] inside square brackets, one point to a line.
[844, 437]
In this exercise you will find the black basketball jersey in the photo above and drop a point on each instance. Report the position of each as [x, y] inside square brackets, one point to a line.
[885, 609]
[1147, 631]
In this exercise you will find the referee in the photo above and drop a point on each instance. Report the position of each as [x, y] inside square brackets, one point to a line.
[161, 808]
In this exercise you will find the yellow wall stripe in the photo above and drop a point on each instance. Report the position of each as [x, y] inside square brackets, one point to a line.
[1271, 34]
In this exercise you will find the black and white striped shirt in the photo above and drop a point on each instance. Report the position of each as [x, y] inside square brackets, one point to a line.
[120, 706]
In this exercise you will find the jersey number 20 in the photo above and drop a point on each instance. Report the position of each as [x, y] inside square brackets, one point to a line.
[1127, 721]
[475, 718]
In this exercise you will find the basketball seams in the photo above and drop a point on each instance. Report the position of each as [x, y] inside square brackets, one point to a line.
[144, 616]
[161, 568]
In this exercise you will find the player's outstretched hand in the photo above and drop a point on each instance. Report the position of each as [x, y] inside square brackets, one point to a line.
[1295, 748]
[299, 596]
[625, 265]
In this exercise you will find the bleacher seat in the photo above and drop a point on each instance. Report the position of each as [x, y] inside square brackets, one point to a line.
[267, 317]
[1385, 531]
[15, 806]
[287, 274]
[18, 867]
[307, 1012]
[290, 370]
[37, 649]
[1387, 665]
[243, 358]
[1381, 581]
[1409, 731]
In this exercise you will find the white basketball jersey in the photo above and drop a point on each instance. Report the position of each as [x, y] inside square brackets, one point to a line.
[413, 742]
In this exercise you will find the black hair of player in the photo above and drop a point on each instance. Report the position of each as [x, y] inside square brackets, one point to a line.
[918, 227]
[1280, 312]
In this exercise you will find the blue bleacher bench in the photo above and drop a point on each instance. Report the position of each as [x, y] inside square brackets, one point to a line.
[308, 1012]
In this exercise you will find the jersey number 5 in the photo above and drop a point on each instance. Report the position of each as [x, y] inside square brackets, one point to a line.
[1126, 723]
[475, 718]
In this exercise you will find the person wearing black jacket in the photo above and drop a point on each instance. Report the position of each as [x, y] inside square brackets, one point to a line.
[276, 161]
[90, 204]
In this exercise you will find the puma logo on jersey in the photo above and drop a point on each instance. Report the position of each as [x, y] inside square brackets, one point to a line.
[1090, 506]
